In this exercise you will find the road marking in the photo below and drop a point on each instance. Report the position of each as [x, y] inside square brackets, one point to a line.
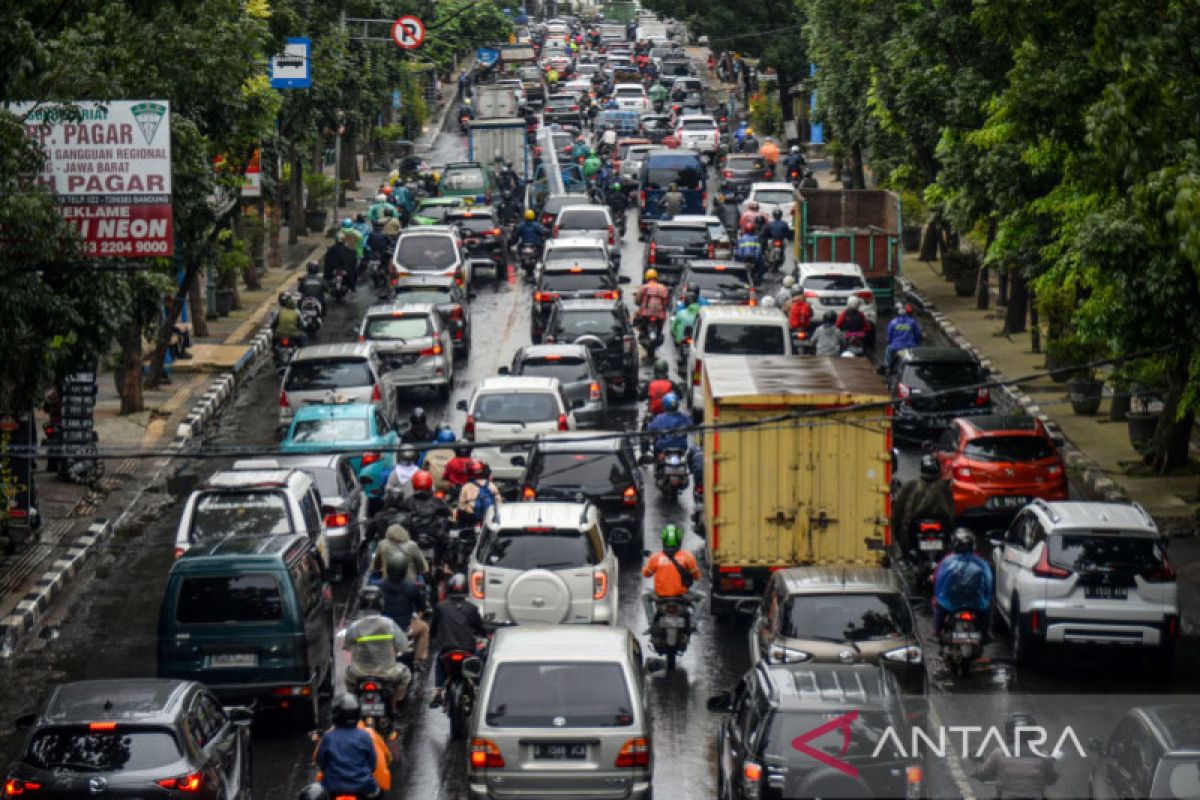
[959, 776]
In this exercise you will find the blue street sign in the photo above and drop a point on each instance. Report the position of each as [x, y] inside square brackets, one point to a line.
[397, 99]
[487, 56]
[292, 69]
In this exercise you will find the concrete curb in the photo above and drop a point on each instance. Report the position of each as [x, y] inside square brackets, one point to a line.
[221, 390]
[1093, 477]
[54, 581]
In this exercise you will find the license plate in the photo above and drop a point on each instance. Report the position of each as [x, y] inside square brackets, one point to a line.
[372, 708]
[1105, 592]
[965, 637]
[673, 622]
[931, 544]
[232, 660]
[560, 752]
[1008, 501]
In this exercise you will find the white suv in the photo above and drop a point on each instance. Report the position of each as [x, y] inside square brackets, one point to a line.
[544, 563]
[701, 134]
[1088, 573]
[631, 96]
[430, 250]
[733, 331]
[829, 287]
[514, 410]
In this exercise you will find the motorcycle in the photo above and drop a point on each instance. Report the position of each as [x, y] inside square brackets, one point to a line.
[311, 315]
[671, 628]
[283, 350]
[458, 700]
[650, 335]
[794, 178]
[528, 255]
[962, 640]
[510, 210]
[928, 541]
[774, 255]
[374, 265]
[671, 474]
[339, 286]
[855, 345]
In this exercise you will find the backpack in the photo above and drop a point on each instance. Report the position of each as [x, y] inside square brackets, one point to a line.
[483, 501]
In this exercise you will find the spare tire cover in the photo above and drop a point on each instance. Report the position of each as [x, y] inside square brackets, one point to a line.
[538, 596]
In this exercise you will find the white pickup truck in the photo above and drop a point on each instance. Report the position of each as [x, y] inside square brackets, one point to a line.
[701, 134]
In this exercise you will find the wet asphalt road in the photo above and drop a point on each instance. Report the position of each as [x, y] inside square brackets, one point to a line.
[108, 629]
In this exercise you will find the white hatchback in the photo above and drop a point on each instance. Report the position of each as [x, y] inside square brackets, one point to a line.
[512, 411]
[829, 287]
[771, 195]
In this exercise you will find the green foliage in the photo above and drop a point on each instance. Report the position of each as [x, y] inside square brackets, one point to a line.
[320, 190]
[766, 116]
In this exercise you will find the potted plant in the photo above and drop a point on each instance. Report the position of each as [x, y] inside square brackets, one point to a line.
[1145, 408]
[915, 215]
[319, 189]
[232, 261]
[955, 262]
[1085, 389]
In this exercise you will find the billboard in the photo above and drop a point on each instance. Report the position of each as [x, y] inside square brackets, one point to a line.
[111, 170]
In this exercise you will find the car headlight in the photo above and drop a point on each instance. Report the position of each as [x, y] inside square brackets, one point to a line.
[778, 654]
[911, 654]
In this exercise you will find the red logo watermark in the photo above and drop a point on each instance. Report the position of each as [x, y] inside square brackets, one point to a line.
[842, 724]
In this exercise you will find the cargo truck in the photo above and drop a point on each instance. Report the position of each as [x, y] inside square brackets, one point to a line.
[861, 226]
[494, 101]
[515, 56]
[492, 140]
[795, 471]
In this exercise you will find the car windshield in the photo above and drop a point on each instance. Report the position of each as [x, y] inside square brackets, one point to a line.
[944, 375]
[775, 196]
[464, 179]
[728, 280]
[219, 514]
[417, 294]
[1104, 550]
[560, 104]
[555, 255]
[80, 750]
[559, 695]
[623, 150]
[847, 617]
[540, 548]
[567, 369]
[518, 407]
[686, 172]
[681, 237]
[833, 283]
[592, 472]
[329, 431]
[744, 164]
[1008, 448]
[866, 730]
[583, 220]
[568, 281]
[578, 323]
[217, 599]
[731, 339]
[312, 376]
[626, 91]
[428, 251]
[398, 328]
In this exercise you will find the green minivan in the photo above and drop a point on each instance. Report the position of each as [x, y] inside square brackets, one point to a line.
[252, 618]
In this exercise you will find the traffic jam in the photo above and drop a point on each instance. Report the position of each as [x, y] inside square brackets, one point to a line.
[609, 472]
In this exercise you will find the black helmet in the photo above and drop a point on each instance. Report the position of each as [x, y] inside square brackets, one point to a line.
[457, 584]
[777, 214]
[360, 217]
[370, 599]
[830, 318]
[389, 212]
[314, 791]
[417, 417]
[929, 466]
[408, 454]
[964, 541]
[312, 267]
[346, 712]
[462, 450]
[662, 369]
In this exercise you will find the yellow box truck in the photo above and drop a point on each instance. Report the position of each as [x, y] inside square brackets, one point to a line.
[797, 469]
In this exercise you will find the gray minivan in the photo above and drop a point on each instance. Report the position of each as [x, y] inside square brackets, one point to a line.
[350, 372]
[562, 712]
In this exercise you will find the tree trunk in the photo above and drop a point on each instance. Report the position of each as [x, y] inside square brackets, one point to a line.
[983, 289]
[1002, 284]
[931, 238]
[162, 339]
[1169, 451]
[349, 166]
[198, 303]
[1035, 326]
[274, 243]
[296, 224]
[858, 176]
[131, 366]
[1018, 301]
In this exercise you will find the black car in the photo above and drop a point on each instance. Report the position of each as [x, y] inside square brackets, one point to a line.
[450, 299]
[576, 370]
[935, 385]
[670, 246]
[605, 327]
[719, 282]
[580, 280]
[656, 127]
[564, 110]
[571, 467]
[738, 171]
[675, 67]
[133, 738]
[1150, 753]
[482, 233]
[789, 724]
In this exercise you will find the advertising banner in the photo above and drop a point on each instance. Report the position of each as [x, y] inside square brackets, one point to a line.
[111, 170]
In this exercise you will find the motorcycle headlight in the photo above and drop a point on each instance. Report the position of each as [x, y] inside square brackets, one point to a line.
[912, 654]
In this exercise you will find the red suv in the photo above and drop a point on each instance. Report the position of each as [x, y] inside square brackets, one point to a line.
[997, 464]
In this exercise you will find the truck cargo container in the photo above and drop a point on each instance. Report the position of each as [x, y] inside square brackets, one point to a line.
[795, 471]
[493, 140]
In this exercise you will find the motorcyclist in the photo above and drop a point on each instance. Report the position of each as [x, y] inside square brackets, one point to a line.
[800, 314]
[660, 387]
[749, 142]
[438, 457]
[398, 540]
[751, 215]
[903, 332]
[391, 222]
[402, 200]
[456, 625]
[828, 339]
[354, 240]
[404, 603]
[456, 473]
[616, 199]
[400, 476]
[853, 321]
[378, 242]
[507, 179]
[339, 256]
[346, 755]
[787, 290]
[1021, 774]
[795, 162]
[810, 180]
[778, 228]
[375, 212]
[531, 232]
[312, 285]
[670, 426]
[477, 494]
[591, 165]
[672, 201]
[658, 94]
[579, 148]
[770, 152]
[374, 642]
[749, 250]
[427, 512]
[962, 582]
[651, 299]
[361, 225]
[287, 323]
[608, 139]
[674, 571]
[928, 497]
[418, 431]
[684, 319]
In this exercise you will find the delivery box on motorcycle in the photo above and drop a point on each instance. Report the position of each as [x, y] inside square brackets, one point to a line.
[803, 477]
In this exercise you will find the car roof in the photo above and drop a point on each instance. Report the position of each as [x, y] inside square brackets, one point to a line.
[320, 352]
[672, 224]
[707, 219]
[130, 700]
[543, 350]
[770, 185]
[829, 268]
[1003, 425]
[850, 579]
[441, 201]
[535, 514]
[249, 478]
[388, 309]
[503, 383]
[335, 411]
[577, 241]
[588, 304]
[1177, 725]
[308, 461]
[424, 279]
[589, 441]
[936, 355]
[541, 643]
[715, 265]
[582, 207]
[259, 548]
[1097, 516]
[798, 687]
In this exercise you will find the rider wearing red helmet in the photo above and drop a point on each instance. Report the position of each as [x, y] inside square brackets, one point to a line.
[478, 493]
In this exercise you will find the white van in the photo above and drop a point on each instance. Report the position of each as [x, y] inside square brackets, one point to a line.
[734, 331]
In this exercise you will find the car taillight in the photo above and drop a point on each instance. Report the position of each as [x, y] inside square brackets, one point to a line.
[1172, 625]
[529, 493]
[494, 232]
[485, 755]
[1044, 569]
[599, 585]
[337, 520]
[1161, 573]
[284, 342]
[179, 551]
[634, 753]
[752, 772]
[711, 250]
[594, 391]
[809, 294]
[574, 108]
[930, 527]
[904, 393]
[1054, 470]
[545, 297]
[456, 313]
[469, 427]
[187, 783]
[966, 616]
[477, 584]
[283, 400]
[652, 256]
[983, 396]
[14, 787]
[611, 294]
[642, 197]
[436, 350]
[547, 219]
[563, 423]
[370, 457]
[630, 496]
[376, 394]
[612, 238]
[727, 173]
[696, 373]
[554, 233]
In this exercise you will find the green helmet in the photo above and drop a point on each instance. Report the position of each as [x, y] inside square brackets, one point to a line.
[662, 369]
[672, 537]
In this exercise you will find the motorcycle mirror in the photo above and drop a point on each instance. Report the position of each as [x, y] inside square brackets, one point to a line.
[927, 446]
[241, 715]
[623, 279]
[461, 405]
[996, 538]
[646, 459]
[25, 722]
[720, 703]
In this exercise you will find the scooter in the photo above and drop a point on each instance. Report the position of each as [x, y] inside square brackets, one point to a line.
[650, 335]
[283, 350]
[962, 641]
[774, 255]
[339, 286]
[311, 315]
[671, 629]
[528, 255]
[373, 265]
[671, 474]
[463, 670]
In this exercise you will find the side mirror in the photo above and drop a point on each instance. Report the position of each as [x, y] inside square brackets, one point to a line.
[461, 405]
[241, 715]
[517, 461]
[25, 722]
[503, 371]
[720, 703]
[472, 668]
[623, 279]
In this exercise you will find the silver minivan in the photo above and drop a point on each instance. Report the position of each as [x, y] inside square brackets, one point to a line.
[562, 712]
[350, 373]
[413, 343]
